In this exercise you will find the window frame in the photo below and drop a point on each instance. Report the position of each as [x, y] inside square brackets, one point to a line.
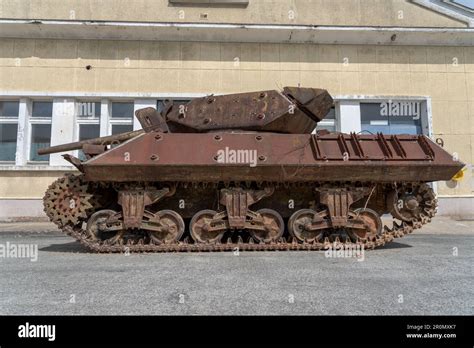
[119, 121]
[11, 120]
[333, 123]
[84, 120]
[34, 120]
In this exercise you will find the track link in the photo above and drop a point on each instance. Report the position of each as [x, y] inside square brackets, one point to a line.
[398, 230]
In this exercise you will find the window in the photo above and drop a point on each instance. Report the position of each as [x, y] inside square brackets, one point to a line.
[467, 4]
[391, 117]
[121, 118]
[329, 122]
[42, 109]
[122, 110]
[88, 131]
[87, 110]
[121, 128]
[87, 115]
[8, 132]
[8, 129]
[9, 108]
[40, 137]
[42, 112]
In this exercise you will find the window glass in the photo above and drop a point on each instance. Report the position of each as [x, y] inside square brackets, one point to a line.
[466, 3]
[121, 128]
[329, 122]
[8, 134]
[9, 108]
[88, 109]
[40, 137]
[391, 117]
[122, 110]
[88, 131]
[42, 109]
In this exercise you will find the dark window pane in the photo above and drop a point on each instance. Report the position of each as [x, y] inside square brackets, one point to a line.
[88, 109]
[40, 137]
[97, 108]
[122, 110]
[121, 128]
[391, 117]
[9, 108]
[42, 109]
[8, 134]
[370, 112]
[88, 131]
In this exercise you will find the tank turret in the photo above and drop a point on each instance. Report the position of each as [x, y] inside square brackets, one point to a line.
[294, 110]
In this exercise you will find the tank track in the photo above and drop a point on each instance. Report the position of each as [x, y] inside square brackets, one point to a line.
[397, 231]
[76, 231]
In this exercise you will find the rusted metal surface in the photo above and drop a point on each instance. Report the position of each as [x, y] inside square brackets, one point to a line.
[67, 200]
[369, 240]
[112, 139]
[134, 200]
[223, 164]
[265, 111]
[150, 119]
[91, 150]
[237, 202]
[338, 201]
[279, 158]
[314, 102]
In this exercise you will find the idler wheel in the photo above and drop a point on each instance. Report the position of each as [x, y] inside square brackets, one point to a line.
[372, 221]
[411, 203]
[104, 227]
[298, 226]
[274, 226]
[172, 225]
[200, 225]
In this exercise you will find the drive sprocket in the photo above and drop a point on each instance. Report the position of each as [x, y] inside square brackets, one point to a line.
[68, 202]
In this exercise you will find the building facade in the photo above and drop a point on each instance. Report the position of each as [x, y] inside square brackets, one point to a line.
[77, 69]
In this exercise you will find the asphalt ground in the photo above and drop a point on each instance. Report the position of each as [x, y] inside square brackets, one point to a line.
[428, 272]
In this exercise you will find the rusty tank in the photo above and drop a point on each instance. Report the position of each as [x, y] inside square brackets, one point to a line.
[246, 172]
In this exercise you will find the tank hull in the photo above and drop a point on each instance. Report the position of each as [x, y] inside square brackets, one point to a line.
[270, 157]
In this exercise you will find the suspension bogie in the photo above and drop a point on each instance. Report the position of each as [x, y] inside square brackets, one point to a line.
[171, 216]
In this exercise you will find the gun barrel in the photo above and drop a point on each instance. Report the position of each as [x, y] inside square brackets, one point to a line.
[111, 139]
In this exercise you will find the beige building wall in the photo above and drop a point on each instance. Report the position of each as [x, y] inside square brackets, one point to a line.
[393, 13]
[446, 74]
[26, 184]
